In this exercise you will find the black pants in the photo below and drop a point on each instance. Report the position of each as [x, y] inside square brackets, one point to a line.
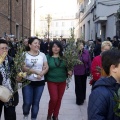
[80, 88]
[9, 112]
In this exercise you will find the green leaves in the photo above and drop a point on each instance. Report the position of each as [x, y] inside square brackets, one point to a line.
[117, 100]
[119, 93]
[18, 65]
[118, 14]
[19, 58]
[71, 53]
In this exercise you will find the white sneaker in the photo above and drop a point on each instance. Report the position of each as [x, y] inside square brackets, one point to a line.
[25, 118]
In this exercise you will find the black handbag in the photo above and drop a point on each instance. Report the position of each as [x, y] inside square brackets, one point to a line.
[87, 71]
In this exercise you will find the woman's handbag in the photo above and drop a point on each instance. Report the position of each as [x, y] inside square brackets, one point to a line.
[87, 71]
[5, 94]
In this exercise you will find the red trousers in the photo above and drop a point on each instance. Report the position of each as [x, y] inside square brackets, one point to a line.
[56, 91]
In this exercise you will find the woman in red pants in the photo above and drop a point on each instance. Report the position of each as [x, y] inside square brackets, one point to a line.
[56, 79]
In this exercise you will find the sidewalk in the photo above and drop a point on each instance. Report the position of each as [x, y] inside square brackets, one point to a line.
[68, 111]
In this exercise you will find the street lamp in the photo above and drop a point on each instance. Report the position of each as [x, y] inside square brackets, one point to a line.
[48, 22]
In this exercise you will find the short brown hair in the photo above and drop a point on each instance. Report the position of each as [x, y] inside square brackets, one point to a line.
[80, 41]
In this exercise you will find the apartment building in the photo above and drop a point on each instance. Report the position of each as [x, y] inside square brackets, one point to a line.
[97, 19]
[60, 25]
[15, 17]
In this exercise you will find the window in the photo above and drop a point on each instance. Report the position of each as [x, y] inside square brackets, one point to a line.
[52, 24]
[56, 33]
[88, 30]
[56, 24]
[72, 24]
[62, 33]
[63, 24]
[17, 31]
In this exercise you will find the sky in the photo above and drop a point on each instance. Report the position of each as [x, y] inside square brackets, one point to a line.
[58, 6]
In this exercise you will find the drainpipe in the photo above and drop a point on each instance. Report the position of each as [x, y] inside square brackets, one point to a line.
[10, 17]
[22, 18]
[34, 18]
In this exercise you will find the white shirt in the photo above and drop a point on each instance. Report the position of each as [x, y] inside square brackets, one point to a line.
[36, 63]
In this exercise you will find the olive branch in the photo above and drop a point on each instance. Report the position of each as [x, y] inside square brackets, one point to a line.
[17, 68]
[70, 55]
[117, 100]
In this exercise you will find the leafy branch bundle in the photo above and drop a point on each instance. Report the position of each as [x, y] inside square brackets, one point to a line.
[71, 55]
[17, 67]
[117, 100]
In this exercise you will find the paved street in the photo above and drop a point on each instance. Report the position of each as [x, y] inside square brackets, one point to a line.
[69, 110]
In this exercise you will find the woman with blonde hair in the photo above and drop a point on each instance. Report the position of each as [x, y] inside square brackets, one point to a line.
[96, 66]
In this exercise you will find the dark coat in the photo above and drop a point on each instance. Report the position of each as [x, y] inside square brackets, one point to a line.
[15, 99]
[115, 43]
[101, 103]
[13, 49]
[46, 47]
[42, 46]
[97, 50]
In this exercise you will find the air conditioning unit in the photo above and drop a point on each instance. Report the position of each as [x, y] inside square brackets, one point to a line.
[82, 8]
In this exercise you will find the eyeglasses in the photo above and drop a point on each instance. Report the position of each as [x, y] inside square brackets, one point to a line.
[4, 48]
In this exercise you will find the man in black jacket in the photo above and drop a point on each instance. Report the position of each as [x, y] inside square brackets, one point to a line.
[6, 63]
[97, 49]
[101, 101]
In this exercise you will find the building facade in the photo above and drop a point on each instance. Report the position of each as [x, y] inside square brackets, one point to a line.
[15, 17]
[60, 25]
[97, 18]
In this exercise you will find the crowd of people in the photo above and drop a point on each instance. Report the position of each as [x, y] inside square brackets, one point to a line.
[44, 63]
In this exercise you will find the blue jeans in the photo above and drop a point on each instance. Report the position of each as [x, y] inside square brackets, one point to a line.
[31, 97]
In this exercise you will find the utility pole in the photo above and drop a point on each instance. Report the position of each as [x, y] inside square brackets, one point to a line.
[34, 17]
[22, 18]
[117, 15]
[10, 3]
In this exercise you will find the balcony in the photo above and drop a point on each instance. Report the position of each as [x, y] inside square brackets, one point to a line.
[86, 9]
[89, 5]
[101, 19]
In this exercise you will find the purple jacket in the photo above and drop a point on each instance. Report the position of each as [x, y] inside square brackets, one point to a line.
[85, 58]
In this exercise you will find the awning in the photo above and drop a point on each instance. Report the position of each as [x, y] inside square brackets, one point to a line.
[101, 19]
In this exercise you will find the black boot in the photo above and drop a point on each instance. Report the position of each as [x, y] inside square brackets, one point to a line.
[54, 118]
[49, 118]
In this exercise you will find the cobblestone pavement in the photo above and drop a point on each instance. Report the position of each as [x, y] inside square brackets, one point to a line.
[68, 111]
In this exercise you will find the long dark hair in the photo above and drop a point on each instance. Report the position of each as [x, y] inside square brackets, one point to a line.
[30, 40]
[59, 45]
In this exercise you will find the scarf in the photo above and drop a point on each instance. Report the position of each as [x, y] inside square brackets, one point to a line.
[5, 72]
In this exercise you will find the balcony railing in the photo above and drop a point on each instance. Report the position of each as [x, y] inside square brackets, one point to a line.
[87, 7]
